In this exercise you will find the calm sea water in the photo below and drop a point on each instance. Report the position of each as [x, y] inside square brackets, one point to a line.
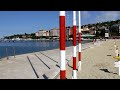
[23, 47]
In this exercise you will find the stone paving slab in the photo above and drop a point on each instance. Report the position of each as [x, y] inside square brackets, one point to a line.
[14, 69]
[40, 68]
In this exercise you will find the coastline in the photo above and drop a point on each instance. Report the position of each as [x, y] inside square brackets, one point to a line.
[19, 66]
[30, 47]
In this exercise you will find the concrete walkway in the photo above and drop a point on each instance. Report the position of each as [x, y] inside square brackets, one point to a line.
[38, 65]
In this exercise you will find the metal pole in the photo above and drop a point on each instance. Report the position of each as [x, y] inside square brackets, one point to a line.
[79, 41]
[14, 51]
[74, 74]
[62, 45]
[7, 54]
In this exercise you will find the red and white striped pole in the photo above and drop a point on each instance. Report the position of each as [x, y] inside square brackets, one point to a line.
[62, 45]
[79, 41]
[74, 74]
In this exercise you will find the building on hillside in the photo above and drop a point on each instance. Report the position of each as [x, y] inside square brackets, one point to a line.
[115, 30]
[54, 32]
[37, 34]
[25, 36]
[85, 30]
[42, 33]
[69, 30]
[47, 33]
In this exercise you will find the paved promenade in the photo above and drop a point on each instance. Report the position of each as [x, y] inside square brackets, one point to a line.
[38, 65]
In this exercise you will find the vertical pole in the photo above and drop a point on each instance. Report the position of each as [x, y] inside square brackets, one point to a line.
[79, 41]
[119, 68]
[116, 51]
[7, 54]
[115, 44]
[62, 45]
[74, 74]
[14, 51]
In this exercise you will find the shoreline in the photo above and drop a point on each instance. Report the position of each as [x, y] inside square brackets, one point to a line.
[39, 51]
[43, 62]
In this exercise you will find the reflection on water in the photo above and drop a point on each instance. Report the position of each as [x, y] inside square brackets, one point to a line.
[22, 47]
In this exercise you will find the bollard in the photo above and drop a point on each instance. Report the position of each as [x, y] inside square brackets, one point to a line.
[74, 73]
[116, 51]
[79, 43]
[119, 68]
[117, 64]
[115, 45]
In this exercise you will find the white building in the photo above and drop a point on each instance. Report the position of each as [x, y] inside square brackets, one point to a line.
[54, 32]
[42, 33]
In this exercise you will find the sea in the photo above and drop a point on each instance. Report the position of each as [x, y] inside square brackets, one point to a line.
[11, 48]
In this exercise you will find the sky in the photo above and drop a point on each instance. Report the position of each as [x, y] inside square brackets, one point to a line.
[20, 22]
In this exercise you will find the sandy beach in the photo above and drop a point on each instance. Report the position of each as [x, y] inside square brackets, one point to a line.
[97, 62]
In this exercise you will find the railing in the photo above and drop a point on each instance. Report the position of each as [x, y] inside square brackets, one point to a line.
[10, 48]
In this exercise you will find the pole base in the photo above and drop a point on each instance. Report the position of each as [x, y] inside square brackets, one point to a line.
[79, 66]
[74, 74]
[119, 68]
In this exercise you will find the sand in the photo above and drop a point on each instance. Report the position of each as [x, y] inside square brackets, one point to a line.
[97, 62]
